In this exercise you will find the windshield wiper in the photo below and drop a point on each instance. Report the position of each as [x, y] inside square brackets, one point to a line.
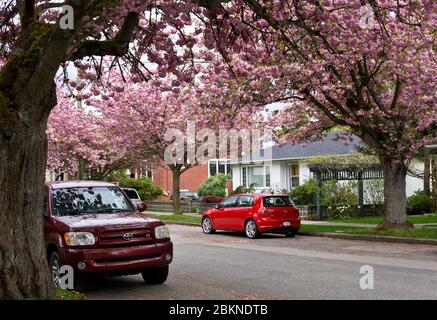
[108, 210]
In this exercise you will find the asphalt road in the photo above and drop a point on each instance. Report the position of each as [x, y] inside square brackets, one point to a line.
[229, 266]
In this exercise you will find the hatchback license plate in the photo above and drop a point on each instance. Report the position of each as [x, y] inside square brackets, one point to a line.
[286, 223]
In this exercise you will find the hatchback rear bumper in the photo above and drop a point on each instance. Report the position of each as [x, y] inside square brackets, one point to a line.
[278, 225]
[127, 260]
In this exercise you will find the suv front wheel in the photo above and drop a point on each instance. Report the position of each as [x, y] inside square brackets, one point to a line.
[55, 265]
[155, 275]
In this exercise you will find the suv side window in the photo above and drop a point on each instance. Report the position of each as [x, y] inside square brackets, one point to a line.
[245, 201]
[229, 202]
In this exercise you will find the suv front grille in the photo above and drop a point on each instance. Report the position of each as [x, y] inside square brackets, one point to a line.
[127, 259]
[127, 237]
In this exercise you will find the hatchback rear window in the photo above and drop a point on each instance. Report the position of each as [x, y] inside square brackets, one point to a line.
[132, 194]
[278, 201]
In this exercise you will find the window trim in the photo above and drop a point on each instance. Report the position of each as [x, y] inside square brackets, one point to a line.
[291, 176]
[264, 166]
[216, 163]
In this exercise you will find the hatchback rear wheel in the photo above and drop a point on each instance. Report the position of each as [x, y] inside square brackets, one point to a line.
[207, 225]
[251, 229]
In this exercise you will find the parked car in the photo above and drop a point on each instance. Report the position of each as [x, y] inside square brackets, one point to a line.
[132, 194]
[187, 196]
[253, 214]
[93, 227]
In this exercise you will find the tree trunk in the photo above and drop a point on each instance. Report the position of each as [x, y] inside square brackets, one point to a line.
[395, 199]
[24, 271]
[176, 191]
[426, 173]
[434, 181]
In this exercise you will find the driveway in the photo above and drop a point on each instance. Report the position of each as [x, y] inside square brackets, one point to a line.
[229, 266]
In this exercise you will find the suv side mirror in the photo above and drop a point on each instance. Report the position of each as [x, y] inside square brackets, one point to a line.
[141, 206]
[218, 206]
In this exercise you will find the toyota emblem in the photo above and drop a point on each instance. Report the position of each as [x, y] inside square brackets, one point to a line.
[128, 236]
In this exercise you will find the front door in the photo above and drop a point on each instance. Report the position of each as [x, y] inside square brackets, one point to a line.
[293, 176]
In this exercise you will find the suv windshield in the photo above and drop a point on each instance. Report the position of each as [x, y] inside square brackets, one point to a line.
[75, 201]
[278, 201]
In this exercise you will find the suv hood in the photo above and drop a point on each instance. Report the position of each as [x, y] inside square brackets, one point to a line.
[106, 219]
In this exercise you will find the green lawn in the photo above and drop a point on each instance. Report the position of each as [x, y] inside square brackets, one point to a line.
[178, 218]
[418, 233]
[427, 218]
[61, 294]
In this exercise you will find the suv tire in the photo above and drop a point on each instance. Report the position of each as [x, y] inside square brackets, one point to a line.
[155, 275]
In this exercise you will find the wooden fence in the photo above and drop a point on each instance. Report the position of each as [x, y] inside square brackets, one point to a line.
[306, 212]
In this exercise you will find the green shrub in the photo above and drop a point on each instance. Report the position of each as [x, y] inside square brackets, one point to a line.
[334, 194]
[419, 203]
[214, 186]
[305, 194]
[243, 189]
[145, 187]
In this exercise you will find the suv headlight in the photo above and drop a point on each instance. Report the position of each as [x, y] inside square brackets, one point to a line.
[79, 238]
[162, 232]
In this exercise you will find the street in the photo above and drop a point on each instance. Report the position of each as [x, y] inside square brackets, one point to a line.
[229, 266]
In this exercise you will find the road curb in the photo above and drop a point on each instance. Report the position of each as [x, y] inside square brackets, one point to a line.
[346, 236]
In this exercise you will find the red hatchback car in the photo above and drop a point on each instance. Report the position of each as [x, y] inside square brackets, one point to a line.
[95, 228]
[253, 214]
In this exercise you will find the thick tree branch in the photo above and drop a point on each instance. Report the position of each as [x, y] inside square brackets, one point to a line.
[118, 46]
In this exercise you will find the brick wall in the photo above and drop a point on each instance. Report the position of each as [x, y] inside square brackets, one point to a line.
[190, 179]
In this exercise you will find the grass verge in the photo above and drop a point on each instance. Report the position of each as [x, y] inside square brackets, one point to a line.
[427, 218]
[417, 233]
[178, 218]
[61, 294]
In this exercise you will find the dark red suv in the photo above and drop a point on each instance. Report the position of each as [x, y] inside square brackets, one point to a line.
[94, 228]
[253, 214]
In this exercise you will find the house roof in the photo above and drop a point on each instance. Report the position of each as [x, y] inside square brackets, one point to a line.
[330, 145]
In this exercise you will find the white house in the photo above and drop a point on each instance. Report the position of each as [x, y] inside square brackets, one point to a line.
[286, 166]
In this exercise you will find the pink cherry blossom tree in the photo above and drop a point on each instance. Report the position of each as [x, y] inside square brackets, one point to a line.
[366, 66]
[36, 40]
[179, 124]
[81, 141]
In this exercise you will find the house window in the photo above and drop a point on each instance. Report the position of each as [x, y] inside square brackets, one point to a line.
[267, 171]
[257, 176]
[219, 166]
[294, 175]
[147, 174]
